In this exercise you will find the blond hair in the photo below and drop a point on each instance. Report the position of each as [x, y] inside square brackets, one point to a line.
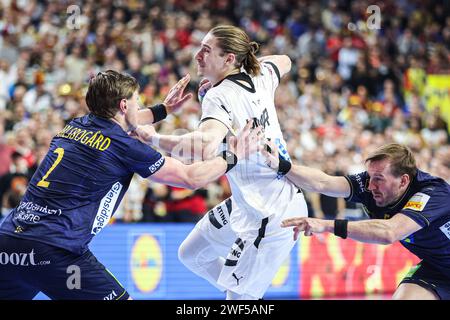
[234, 40]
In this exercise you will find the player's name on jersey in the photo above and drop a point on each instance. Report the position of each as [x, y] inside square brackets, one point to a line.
[91, 139]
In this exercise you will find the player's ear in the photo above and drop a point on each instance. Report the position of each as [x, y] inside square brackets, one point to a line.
[231, 59]
[405, 180]
[123, 105]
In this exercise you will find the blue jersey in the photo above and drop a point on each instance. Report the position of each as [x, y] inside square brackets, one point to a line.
[80, 183]
[427, 202]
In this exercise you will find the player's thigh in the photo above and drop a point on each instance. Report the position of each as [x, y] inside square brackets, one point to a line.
[215, 229]
[423, 282]
[81, 277]
[16, 291]
[413, 291]
[17, 260]
[255, 258]
[13, 286]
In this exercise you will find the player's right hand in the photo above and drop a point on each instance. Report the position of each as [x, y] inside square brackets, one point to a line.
[309, 225]
[146, 133]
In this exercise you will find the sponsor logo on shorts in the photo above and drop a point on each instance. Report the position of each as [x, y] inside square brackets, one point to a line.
[111, 296]
[20, 259]
[237, 278]
[106, 208]
[417, 202]
[446, 229]
[236, 253]
[222, 215]
[154, 167]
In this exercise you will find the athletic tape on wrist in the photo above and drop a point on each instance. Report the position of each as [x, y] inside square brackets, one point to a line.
[230, 158]
[283, 167]
[340, 228]
[159, 112]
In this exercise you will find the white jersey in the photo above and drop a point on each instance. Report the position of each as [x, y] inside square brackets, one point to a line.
[256, 189]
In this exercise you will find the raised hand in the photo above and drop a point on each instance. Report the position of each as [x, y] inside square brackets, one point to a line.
[175, 98]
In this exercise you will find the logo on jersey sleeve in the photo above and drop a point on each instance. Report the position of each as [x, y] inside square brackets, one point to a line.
[417, 202]
[362, 184]
[154, 167]
[106, 208]
[446, 229]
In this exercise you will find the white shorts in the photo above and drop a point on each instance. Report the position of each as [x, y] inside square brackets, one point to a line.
[252, 258]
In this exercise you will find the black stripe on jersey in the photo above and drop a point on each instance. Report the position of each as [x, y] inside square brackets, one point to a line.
[230, 263]
[261, 232]
[239, 243]
[275, 68]
[213, 220]
[241, 79]
[228, 204]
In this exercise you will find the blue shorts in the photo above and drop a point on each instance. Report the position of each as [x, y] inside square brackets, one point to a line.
[427, 277]
[27, 267]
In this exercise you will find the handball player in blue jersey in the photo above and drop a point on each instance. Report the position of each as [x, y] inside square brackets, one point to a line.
[404, 204]
[80, 183]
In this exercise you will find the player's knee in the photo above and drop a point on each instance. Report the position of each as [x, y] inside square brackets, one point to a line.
[186, 254]
[412, 291]
[195, 252]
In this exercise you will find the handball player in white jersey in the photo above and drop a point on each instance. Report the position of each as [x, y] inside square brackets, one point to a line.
[239, 245]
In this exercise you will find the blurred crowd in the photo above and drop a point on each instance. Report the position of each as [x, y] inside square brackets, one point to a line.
[353, 86]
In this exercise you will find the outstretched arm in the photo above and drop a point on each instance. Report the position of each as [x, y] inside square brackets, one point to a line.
[199, 174]
[371, 231]
[199, 144]
[310, 179]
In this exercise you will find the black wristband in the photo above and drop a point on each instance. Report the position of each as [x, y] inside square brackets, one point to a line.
[230, 158]
[283, 167]
[159, 112]
[340, 228]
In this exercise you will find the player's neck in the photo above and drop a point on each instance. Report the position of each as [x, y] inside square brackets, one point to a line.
[226, 74]
[230, 72]
[122, 123]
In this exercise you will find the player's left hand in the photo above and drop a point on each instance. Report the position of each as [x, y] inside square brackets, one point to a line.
[308, 225]
[270, 152]
[175, 98]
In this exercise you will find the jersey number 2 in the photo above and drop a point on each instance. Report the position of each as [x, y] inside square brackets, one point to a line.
[43, 183]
